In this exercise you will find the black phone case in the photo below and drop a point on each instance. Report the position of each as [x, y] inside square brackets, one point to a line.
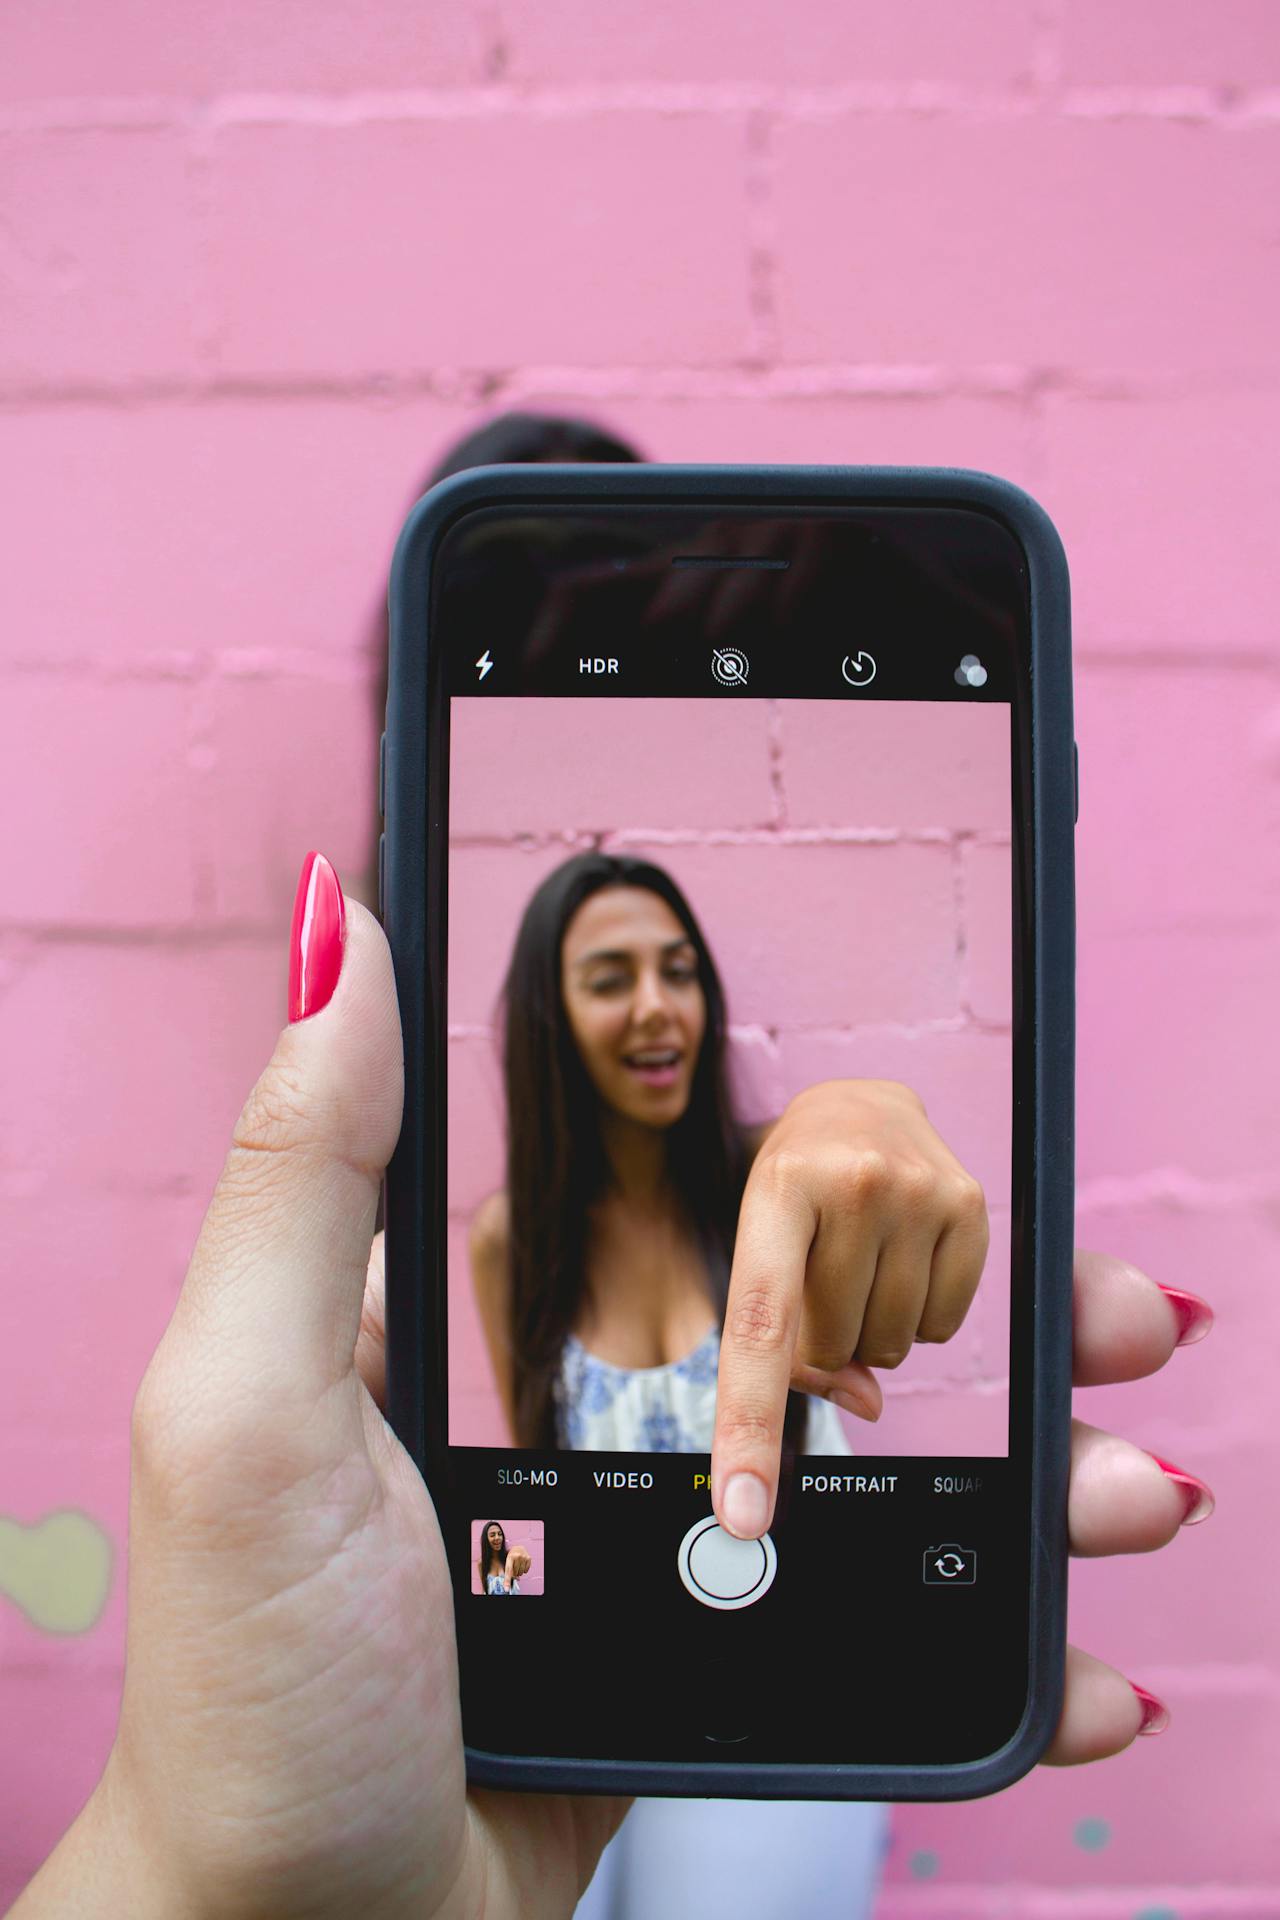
[402, 870]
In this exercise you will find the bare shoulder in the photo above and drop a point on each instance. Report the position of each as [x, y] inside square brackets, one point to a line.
[491, 1235]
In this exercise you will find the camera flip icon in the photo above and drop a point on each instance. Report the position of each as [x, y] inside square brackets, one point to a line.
[950, 1565]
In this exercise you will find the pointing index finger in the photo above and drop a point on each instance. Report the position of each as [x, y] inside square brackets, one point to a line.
[776, 1226]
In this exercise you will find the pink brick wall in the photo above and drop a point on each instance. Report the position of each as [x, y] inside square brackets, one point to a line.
[257, 266]
[829, 854]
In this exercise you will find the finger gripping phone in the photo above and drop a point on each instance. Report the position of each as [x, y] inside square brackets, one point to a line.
[729, 810]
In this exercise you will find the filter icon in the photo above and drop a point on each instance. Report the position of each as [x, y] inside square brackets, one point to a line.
[971, 672]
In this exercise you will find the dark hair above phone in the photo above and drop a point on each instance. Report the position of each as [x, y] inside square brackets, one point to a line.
[517, 439]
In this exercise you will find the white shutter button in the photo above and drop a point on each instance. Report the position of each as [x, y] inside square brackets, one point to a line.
[723, 1572]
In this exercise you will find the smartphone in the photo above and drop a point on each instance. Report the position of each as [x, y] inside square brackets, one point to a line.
[703, 786]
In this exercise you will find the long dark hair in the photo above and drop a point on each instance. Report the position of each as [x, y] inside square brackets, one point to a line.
[487, 1552]
[557, 1167]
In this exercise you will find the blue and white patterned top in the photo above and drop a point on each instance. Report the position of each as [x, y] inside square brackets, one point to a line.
[601, 1408]
[493, 1584]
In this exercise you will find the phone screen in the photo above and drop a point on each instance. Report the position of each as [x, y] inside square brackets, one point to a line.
[723, 804]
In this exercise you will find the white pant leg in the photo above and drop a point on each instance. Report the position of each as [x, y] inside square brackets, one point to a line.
[741, 1860]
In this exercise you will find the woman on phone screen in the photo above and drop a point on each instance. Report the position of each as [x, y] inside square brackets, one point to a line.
[601, 1271]
[500, 1566]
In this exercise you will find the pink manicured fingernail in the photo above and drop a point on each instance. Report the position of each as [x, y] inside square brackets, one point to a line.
[1155, 1714]
[850, 1405]
[316, 938]
[1198, 1497]
[745, 1506]
[1195, 1316]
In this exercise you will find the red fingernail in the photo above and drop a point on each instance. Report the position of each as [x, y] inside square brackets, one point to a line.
[1155, 1714]
[1198, 1497]
[315, 942]
[1195, 1316]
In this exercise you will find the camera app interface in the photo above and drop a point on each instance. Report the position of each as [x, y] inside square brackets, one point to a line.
[676, 926]
[732, 1007]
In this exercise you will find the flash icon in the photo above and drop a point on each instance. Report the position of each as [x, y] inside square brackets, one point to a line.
[484, 663]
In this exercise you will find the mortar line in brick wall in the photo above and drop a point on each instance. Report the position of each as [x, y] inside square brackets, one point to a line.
[777, 769]
[982, 1386]
[96, 113]
[1217, 1676]
[107, 669]
[753, 1034]
[201, 757]
[977, 1341]
[94, 1654]
[208, 322]
[1038, 407]
[716, 380]
[945, 1027]
[354, 671]
[834, 379]
[960, 901]
[1231, 109]
[1178, 1189]
[206, 387]
[1226, 105]
[818, 836]
[1220, 926]
[709, 100]
[762, 239]
[613, 837]
[917, 99]
[1159, 653]
[212, 934]
[932, 99]
[19, 1182]
[764, 836]
[495, 56]
[978, 1023]
[1039, 1900]
[1046, 49]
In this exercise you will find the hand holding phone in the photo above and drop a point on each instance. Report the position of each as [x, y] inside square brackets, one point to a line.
[228, 1596]
[860, 1233]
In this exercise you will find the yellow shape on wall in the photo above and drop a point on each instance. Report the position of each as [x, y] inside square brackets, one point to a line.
[57, 1571]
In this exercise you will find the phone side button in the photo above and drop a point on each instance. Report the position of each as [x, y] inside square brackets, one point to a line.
[382, 776]
[1075, 752]
[382, 871]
